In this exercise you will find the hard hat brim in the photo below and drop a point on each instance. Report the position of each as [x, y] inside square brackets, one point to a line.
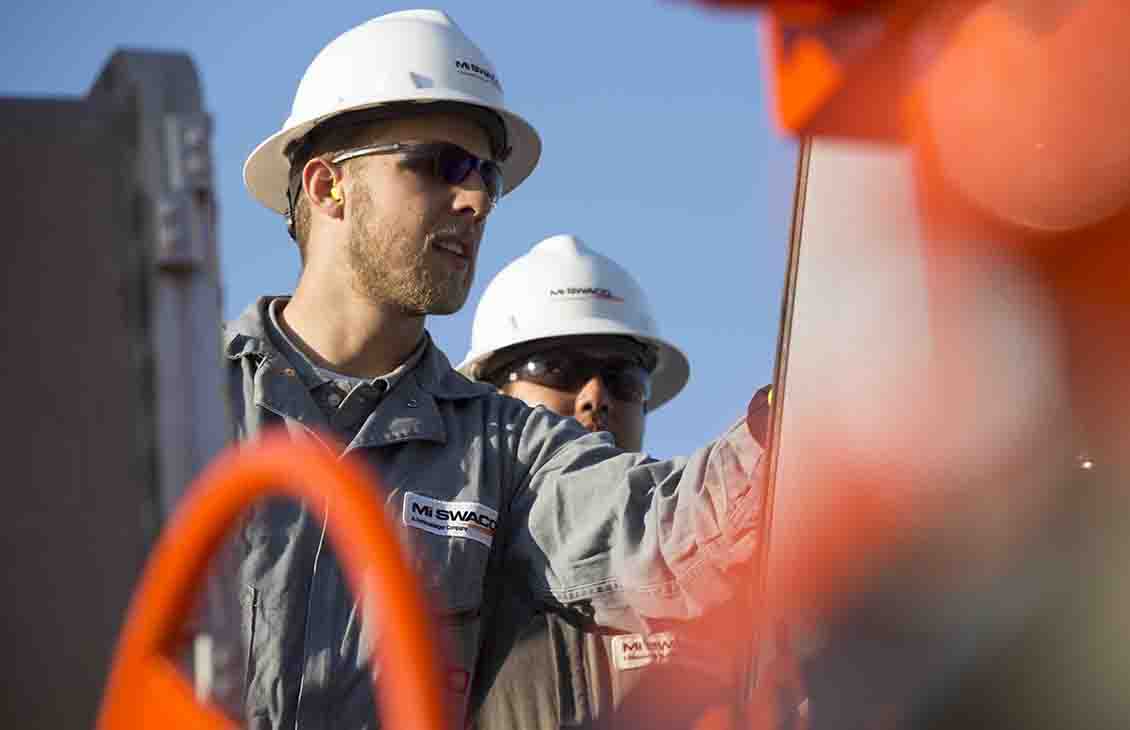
[266, 173]
[672, 369]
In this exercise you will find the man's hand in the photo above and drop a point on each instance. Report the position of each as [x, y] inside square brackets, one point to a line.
[757, 415]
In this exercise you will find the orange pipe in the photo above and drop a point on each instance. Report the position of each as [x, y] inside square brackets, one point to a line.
[145, 688]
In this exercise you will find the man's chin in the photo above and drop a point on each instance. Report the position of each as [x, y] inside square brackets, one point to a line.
[448, 305]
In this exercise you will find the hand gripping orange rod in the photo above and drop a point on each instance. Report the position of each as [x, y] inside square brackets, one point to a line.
[147, 690]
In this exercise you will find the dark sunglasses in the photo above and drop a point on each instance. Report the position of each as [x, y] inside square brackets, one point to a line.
[446, 161]
[565, 370]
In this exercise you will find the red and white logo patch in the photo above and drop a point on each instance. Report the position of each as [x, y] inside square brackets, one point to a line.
[632, 651]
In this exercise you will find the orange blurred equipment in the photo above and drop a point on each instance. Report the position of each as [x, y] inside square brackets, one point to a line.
[145, 689]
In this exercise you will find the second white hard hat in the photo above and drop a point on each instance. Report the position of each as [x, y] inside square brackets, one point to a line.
[413, 57]
[560, 288]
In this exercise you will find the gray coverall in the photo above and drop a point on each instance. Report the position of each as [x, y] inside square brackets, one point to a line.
[489, 495]
[563, 674]
[560, 674]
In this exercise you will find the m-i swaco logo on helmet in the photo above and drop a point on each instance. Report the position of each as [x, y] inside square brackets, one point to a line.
[583, 292]
[482, 74]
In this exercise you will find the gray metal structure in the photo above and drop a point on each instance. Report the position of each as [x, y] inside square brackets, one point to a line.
[112, 384]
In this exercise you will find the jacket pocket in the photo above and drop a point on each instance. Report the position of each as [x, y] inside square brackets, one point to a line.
[453, 574]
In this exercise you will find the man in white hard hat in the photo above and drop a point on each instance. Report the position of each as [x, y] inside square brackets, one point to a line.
[568, 328]
[398, 144]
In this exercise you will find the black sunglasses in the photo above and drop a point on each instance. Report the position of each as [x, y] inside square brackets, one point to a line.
[446, 161]
[568, 370]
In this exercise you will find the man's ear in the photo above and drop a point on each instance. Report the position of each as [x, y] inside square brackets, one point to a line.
[323, 188]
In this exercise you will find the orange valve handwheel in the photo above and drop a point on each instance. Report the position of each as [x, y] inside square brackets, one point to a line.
[145, 687]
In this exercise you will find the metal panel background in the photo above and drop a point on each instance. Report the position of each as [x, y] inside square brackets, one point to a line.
[78, 489]
[109, 280]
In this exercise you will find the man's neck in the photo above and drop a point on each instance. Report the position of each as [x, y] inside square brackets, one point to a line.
[340, 330]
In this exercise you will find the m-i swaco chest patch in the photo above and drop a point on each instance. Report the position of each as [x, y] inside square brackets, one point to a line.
[450, 519]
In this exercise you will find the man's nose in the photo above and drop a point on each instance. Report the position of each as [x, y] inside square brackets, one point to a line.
[593, 403]
[472, 198]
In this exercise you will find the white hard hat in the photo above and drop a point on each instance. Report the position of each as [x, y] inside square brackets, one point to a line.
[560, 288]
[407, 57]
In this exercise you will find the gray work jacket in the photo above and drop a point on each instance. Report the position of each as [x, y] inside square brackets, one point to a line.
[612, 538]
[559, 673]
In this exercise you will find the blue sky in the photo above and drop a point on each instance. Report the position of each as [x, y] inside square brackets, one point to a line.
[659, 151]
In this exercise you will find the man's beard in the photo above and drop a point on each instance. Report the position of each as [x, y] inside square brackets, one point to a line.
[389, 266]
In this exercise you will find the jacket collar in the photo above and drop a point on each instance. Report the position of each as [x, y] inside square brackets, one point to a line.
[410, 411]
[247, 334]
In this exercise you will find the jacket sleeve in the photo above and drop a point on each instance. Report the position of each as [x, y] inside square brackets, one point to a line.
[617, 530]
